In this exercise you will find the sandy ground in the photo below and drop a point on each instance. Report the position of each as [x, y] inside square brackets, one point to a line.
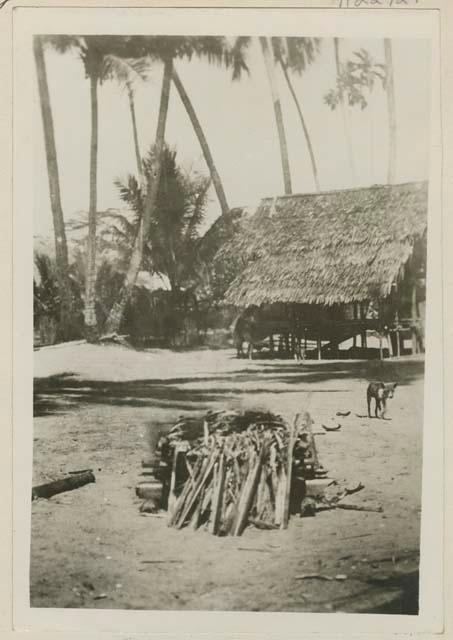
[92, 548]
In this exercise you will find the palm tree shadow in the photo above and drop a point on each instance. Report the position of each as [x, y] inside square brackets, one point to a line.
[65, 392]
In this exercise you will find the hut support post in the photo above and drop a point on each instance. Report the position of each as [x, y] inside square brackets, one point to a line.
[287, 343]
[397, 334]
[390, 344]
[414, 315]
[381, 325]
[363, 327]
[354, 339]
[319, 348]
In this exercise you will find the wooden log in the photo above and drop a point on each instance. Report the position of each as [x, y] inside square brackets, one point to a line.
[60, 486]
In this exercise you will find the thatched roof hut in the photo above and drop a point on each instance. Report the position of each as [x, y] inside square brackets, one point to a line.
[329, 248]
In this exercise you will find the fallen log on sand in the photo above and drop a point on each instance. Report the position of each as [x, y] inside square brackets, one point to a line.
[60, 486]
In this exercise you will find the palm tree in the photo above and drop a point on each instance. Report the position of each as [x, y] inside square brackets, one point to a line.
[267, 56]
[61, 248]
[167, 49]
[295, 54]
[100, 56]
[113, 322]
[344, 114]
[127, 72]
[355, 81]
[216, 181]
[171, 245]
[232, 55]
[390, 89]
[93, 59]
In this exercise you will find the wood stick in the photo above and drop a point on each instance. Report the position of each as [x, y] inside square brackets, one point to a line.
[218, 497]
[356, 507]
[198, 487]
[195, 521]
[289, 473]
[65, 484]
[239, 506]
[280, 497]
[171, 494]
[249, 494]
[179, 505]
[262, 524]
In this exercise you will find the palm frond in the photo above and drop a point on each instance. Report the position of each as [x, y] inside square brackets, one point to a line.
[126, 71]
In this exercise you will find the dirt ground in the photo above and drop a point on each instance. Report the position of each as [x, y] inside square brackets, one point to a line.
[91, 547]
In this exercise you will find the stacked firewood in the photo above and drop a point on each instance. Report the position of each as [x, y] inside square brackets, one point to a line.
[233, 468]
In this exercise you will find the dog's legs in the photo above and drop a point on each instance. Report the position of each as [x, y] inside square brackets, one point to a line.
[383, 408]
[368, 399]
[378, 406]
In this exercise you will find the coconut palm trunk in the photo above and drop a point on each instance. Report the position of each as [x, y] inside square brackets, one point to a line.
[390, 88]
[344, 114]
[138, 157]
[61, 248]
[303, 123]
[115, 317]
[91, 329]
[216, 181]
[268, 61]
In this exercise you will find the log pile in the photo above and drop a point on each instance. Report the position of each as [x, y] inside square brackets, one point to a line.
[232, 469]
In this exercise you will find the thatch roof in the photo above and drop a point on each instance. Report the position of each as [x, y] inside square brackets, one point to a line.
[221, 232]
[328, 248]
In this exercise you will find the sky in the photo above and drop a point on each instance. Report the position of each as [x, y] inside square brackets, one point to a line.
[238, 121]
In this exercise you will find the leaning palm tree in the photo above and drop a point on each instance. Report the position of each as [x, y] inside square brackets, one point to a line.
[216, 181]
[390, 90]
[61, 247]
[295, 54]
[231, 55]
[266, 48]
[115, 316]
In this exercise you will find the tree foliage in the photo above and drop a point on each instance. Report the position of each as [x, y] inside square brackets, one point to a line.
[171, 247]
[356, 79]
